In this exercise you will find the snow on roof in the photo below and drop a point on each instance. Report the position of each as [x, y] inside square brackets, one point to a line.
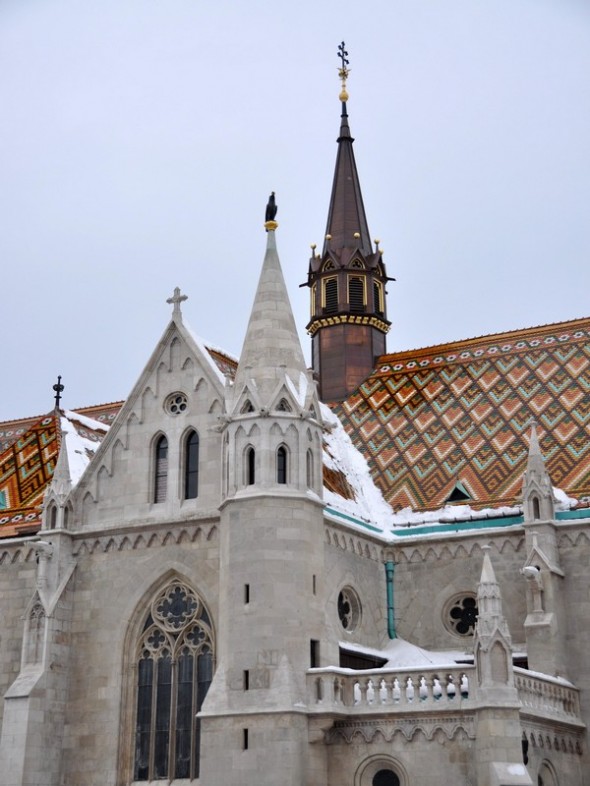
[80, 449]
[96, 425]
[399, 653]
[300, 394]
[205, 346]
[341, 455]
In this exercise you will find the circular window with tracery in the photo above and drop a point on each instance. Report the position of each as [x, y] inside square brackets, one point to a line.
[461, 614]
[176, 403]
[349, 609]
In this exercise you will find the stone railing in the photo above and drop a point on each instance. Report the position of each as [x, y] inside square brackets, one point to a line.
[378, 690]
[547, 696]
[440, 689]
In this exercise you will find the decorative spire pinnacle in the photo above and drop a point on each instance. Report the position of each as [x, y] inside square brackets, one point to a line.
[175, 301]
[58, 387]
[343, 71]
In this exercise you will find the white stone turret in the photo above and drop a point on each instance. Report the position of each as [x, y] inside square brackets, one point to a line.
[498, 729]
[546, 648]
[55, 503]
[537, 491]
[271, 553]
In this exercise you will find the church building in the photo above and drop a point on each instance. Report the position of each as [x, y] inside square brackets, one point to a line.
[373, 572]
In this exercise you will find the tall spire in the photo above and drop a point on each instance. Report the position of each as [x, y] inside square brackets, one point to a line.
[347, 223]
[272, 349]
[347, 281]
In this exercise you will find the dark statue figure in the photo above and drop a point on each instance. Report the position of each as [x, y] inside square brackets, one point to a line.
[271, 208]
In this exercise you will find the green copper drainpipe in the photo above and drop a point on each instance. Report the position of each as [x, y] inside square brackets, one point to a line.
[389, 567]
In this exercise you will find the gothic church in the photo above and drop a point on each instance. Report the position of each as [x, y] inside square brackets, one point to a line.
[249, 573]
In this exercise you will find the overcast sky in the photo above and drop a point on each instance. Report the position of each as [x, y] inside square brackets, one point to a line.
[139, 140]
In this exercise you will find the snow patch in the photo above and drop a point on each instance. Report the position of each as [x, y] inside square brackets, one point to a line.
[562, 501]
[342, 456]
[79, 449]
[204, 347]
[90, 423]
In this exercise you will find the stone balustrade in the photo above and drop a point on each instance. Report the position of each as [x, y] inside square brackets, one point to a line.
[439, 689]
[379, 689]
[546, 696]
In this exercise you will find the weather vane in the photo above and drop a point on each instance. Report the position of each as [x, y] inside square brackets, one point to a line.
[343, 71]
[58, 387]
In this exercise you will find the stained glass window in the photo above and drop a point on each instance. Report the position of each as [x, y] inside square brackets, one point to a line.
[174, 671]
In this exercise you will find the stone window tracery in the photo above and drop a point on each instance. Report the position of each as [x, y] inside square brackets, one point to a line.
[349, 609]
[176, 403]
[174, 670]
[461, 614]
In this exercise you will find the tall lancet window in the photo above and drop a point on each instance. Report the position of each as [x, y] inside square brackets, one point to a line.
[250, 466]
[174, 671]
[282, 464]
[191, 466]
[161, 470]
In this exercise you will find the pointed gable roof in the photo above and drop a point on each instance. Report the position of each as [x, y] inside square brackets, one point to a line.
[271, 347]
[461, 411]
[346, 215]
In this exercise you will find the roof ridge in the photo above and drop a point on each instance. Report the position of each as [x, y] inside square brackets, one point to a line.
[482, 339]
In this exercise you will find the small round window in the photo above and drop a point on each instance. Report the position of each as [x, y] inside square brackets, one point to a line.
[461, 614]
[349, 609]
[176, 403]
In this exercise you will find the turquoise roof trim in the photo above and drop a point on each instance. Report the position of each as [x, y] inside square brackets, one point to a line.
[358, 522]
[458, 526]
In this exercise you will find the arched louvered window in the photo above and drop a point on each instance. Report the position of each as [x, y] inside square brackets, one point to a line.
[174, 670]
[191, 466]
[250, 466]
[313, 295]
[378, 298]
[282, 464]
[330, 296]
[161, 470]
[356, 294]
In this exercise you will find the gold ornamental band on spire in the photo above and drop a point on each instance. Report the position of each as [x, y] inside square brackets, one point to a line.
[343, 71]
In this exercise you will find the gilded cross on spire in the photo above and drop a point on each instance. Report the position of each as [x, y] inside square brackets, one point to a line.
[344, 70]
[176, 300]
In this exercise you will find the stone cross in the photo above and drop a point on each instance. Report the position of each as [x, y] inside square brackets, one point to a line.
[176, 300]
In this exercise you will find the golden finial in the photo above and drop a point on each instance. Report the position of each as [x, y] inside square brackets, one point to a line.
[343, 71]
[356, 235]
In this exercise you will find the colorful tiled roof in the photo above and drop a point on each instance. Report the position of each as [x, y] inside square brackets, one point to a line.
[26, 467]
[460, 413]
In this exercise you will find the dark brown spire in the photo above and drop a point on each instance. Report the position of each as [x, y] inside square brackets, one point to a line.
[347, 280]
[347, 223]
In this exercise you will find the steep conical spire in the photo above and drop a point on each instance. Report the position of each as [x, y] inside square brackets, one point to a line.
[61, 483]
[537, 490]
[271, 348]
[347, 223]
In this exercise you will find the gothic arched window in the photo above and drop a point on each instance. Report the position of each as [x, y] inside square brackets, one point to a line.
[250, 466]
[536, 508]
[161, 469]
[191, 466]
[282, 464]
[174, 671]
[330, 296]
[309, 468]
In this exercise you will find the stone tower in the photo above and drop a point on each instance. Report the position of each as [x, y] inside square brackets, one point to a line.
[254, 724]
[347, 280]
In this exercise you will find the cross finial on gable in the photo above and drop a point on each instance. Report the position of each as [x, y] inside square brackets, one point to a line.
[176, 300]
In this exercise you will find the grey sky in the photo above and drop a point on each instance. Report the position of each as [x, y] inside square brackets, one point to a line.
[139, 140]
